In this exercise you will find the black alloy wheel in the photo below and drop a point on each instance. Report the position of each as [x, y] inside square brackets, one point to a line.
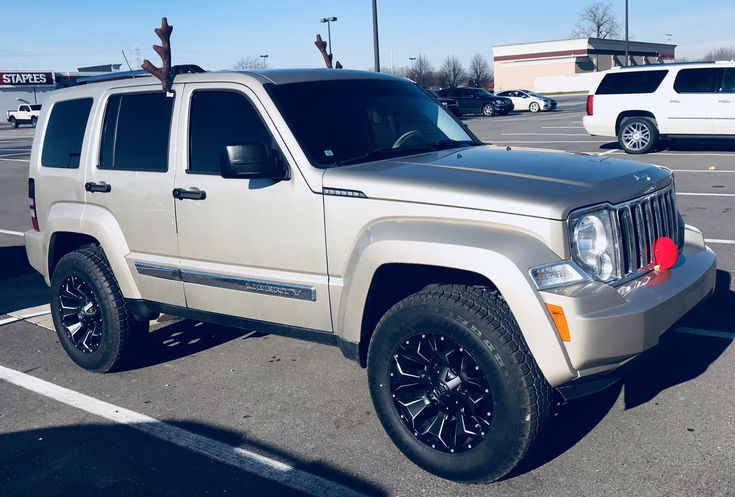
[80, 314]
[441, 393]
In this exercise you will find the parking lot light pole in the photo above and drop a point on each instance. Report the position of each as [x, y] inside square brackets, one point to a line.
[264, 60]
[329, 20]
[375, 36]
[627, 60]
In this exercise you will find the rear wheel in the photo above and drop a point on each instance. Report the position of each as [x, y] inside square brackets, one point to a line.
[454, 383]
[13, 122]
[637, 135]
[488, 110]
[534, 107]
[34, 120]
[89, 312]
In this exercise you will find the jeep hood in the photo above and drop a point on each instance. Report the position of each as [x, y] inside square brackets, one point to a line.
[546, 184]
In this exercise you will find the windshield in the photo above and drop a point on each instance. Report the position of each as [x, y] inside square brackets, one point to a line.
[341, 122]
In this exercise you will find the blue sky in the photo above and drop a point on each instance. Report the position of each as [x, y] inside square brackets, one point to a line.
[61, 36]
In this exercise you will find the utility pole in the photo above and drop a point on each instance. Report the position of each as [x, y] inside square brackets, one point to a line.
[627, 59]
[376, 49]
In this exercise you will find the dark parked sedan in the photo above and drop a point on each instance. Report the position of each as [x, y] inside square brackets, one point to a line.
[478, 101]
[449, 103]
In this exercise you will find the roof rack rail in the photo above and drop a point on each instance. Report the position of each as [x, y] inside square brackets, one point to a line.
[114, 76]
[666, 64]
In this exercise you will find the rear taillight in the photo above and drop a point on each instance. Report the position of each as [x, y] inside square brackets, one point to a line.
[590, 104]
[32, 203]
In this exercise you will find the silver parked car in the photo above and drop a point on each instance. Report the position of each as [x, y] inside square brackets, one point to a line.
[528, 100]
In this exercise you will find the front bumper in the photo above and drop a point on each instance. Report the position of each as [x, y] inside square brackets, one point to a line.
[609, 326]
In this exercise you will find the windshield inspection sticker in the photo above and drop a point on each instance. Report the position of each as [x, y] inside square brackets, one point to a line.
[328, 153]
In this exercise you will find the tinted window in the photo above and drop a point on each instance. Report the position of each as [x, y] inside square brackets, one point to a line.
[218, 119]
[24, 108]
[356, 120]
[631, 82]
[36, 107]
[135, 132]
[698, 81]
[728, 83]
[62, 145]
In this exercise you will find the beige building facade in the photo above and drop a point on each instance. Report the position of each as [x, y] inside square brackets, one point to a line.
[519, 65]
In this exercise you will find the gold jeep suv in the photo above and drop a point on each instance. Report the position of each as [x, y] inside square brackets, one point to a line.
[474, 282]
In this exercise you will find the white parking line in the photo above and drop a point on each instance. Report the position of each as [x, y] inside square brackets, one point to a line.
[9, 232]
[705, 333]
[560, 141]
[3, 322]
[707, 194]
[685, 154]
[14, 160]
[544, 134]
[719, 241]
[245, 460]
[702, 171]
[562, 127]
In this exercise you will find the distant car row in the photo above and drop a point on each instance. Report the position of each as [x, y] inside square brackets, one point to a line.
[466, 101]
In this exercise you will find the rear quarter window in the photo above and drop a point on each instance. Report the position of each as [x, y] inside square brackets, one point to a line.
[698, 80]
[631, 82]
[62, 143]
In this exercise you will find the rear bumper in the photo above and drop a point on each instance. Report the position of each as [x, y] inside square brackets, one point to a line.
[34, 243]
[596, 126]
[609, 326]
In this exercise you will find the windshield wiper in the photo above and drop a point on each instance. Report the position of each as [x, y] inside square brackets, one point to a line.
[445, 144]
[383, 153]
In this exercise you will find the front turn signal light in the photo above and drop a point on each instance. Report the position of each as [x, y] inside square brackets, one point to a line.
[560, 322]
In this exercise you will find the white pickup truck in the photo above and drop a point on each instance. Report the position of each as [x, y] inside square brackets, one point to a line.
[26, 114]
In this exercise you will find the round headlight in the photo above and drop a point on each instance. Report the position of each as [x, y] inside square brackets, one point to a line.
[593, 246]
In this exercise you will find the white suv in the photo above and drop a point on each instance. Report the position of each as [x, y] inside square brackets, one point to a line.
[640, 105]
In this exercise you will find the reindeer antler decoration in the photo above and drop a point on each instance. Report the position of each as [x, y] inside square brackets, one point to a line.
[322, 46]
[164, 51]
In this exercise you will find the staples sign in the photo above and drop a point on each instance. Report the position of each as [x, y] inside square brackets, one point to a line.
[31, 78]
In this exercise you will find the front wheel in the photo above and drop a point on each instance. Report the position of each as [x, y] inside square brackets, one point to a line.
[89, 312]
[34, 120]
[13, 122]
[534, 107]
[454, 384]
[637, 135]
[488, 110]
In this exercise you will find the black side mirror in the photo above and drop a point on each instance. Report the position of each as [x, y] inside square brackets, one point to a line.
[251, 160]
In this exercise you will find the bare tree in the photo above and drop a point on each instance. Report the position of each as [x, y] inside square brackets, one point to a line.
[480, 74]
[722, 53]
[597, 20]
[250, 62]
[421, 71]
[451, 74]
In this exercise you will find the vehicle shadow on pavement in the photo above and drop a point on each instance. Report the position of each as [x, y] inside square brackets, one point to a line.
[21, 286]
[90, 460]
[683, 145]
[678, 358]
[180, 339]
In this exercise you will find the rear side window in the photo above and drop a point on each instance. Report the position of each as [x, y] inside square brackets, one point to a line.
[62, 144]
[728, 83]
[698, 81]
[135, 133]
[631, 82]
[218, 119]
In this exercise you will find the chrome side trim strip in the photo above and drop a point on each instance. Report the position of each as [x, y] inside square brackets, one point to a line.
[278, 289]
[158, 271]
[264, 287]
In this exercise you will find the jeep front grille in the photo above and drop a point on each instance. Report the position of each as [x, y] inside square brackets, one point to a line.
[641, 222]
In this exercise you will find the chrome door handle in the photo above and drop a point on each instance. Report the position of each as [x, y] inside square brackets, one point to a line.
[725, 101]
[675, 101]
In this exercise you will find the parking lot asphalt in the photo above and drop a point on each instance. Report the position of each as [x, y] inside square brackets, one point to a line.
[209, 410]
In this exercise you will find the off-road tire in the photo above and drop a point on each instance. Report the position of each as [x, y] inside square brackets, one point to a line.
[480, 321]
[118, 327]
[34, 120]
[13, 122]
